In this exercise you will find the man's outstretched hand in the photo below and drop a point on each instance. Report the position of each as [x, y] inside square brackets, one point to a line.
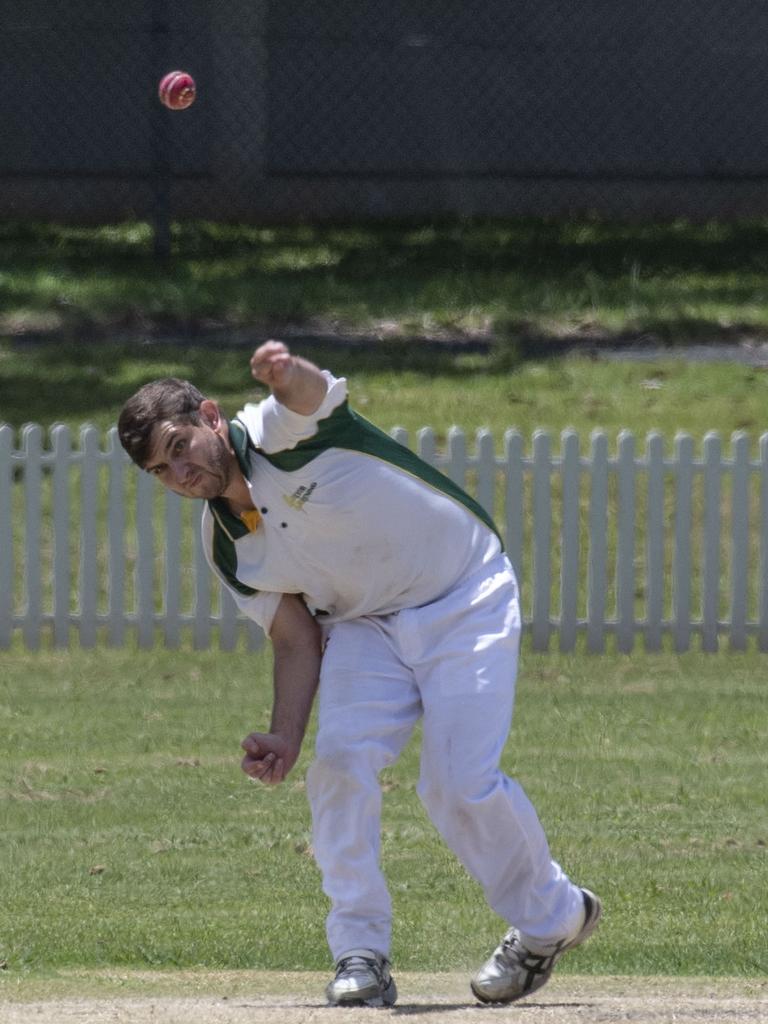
[295, 382]
[273, 365]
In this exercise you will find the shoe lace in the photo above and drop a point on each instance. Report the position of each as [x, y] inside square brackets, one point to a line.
[516, 954]
[357, 964]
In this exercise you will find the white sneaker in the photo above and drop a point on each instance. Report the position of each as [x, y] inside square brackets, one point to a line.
[362, 979]
[515, 971]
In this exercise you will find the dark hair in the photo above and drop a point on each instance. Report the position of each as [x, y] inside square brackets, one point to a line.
[160, 400]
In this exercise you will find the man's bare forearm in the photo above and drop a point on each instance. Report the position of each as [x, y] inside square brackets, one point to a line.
[297, 654]
[295, 677]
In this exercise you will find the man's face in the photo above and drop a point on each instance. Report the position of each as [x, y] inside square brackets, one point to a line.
[193, 461]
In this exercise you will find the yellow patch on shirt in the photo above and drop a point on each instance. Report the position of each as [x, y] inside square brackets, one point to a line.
[251, 518]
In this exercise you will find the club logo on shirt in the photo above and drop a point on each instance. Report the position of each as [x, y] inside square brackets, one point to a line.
[300, 497]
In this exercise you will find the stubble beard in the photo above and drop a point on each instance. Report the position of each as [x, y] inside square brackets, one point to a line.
[215, 471]
[220, 468]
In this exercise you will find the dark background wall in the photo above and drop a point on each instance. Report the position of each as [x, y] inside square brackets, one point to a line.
[355, 109]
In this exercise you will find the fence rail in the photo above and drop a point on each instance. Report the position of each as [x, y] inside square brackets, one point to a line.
[662, 545]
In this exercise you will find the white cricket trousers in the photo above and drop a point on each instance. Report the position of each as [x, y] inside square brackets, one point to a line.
[453, 663]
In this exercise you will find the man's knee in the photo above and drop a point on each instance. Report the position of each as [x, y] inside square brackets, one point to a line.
[337, 758]
[460, 791]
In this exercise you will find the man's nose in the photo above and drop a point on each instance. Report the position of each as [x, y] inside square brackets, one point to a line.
[180, 470]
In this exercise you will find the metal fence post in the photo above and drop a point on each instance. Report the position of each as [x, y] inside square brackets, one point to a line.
[161, 162]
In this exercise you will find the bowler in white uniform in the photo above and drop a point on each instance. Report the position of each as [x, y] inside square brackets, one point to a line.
[385, 588]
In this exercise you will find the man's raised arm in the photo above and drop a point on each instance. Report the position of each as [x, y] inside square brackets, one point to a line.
[295, 382]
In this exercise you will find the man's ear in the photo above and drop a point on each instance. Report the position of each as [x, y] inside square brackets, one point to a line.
[210, 413]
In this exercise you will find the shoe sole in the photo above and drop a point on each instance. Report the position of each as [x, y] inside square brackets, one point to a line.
[351, 1004]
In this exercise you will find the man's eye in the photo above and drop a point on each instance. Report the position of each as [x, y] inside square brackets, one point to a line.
[178, 446]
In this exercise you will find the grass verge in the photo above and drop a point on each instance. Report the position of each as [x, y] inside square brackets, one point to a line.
[404, 386]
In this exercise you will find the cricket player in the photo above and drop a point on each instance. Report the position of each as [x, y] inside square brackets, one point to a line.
[385, 588]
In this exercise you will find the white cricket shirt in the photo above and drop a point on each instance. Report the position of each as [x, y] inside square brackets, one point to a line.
[349, 518]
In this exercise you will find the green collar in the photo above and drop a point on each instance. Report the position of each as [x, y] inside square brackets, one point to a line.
[240, 441]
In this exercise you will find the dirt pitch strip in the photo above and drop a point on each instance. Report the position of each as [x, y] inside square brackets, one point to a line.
[296, 998]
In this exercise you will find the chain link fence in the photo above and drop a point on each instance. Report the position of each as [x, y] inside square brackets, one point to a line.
[356, 110]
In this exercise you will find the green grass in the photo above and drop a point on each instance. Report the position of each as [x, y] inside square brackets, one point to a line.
[132, 839]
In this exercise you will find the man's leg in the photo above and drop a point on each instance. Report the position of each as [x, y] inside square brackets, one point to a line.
[367, 707]
[464, 650]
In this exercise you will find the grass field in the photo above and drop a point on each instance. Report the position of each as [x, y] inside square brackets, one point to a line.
[132, 839]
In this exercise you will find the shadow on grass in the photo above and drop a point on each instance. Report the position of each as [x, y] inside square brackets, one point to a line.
[241, 274]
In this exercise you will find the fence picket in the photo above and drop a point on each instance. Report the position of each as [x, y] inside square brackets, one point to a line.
[569, 540]
[456, 464]
[400, 434]
[597, 573]
[32, 442]
[654, 545]
[62, 574]
[710, 602]
[115, 541]
[681, 591]
[172, 554]
[427, 447]
[739, 541]
[625, 547]
[7, 575]
[201, 629]
[486, 471]
[513, 499]
[542, 540]
[145, 559]
[89, 496]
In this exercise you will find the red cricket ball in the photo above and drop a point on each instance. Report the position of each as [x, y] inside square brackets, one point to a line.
[177, 90]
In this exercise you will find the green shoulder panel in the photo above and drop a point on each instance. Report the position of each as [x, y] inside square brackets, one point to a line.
[346, 429]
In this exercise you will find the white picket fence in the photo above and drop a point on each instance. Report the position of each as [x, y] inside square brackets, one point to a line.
[611, 544]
